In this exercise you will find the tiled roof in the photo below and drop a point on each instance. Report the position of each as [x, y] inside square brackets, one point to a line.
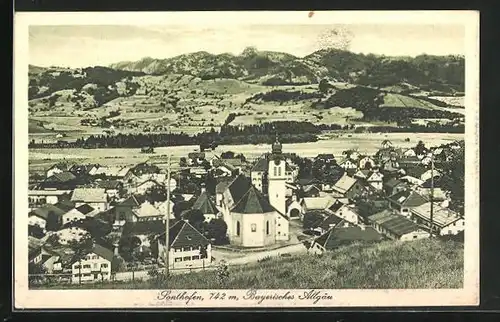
[61, 177]
[182, 234]
[340, 236]
[330, 222]
[239, 187]
[133, 201]
[318, 203]
[394, 223]
[441, 217]
[204, 204]
[85, 209]
[43, 212]
[253, 202]
[344, 184]
[260, 166]
[109, 184]
[408, 199]
[65, 205]
[103, 252]
[415, 171]
[393, 182]
[146, 210]
[89, 195]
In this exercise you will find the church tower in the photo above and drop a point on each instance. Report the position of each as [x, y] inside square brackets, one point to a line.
[276, 176]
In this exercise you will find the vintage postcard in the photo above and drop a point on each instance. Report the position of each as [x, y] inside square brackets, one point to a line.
[246, 159]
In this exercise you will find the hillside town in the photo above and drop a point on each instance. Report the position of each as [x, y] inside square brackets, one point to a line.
[91, 223]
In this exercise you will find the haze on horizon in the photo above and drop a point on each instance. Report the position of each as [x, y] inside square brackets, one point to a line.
[91, 45]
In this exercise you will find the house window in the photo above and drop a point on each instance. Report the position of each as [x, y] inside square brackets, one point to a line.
[237, 228]
[267, 227]
[77, 266]
[414, 236]
[196, 257]
[86, 266]
[86, 275]
[76, 275]
[187, 258]
[104, 265]
[95, 266]
[254, 228]
[450, 232]
[178, 259]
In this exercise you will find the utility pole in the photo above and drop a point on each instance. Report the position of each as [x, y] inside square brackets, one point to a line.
[167, 221]
[432, 195]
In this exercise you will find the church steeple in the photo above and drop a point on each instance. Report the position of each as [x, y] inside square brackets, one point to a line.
[277, 147]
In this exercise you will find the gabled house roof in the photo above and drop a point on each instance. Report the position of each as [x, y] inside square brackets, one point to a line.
[146, 210]
[441, 217]
[205, 204]
[223, 184]
[85, 209]
[109, 184]
[43, 212]
[344, 184]
[415, 171]
[318, 203]
[65, 205]
[65, 166]
[340, 236]
[182, 234]
[253, 202]
[394, 223]
[65, 176]
[330, 222]
[89, 195]
[103, 252]
[408, 199]
[393, 182]
[133, 201]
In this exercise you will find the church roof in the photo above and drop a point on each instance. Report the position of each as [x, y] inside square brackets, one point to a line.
[239, 187]
[260, 166]
[253, 202]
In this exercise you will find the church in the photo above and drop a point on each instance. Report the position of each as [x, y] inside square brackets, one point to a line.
[254, 209]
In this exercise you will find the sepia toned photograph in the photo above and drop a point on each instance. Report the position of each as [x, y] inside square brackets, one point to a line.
[242, 161]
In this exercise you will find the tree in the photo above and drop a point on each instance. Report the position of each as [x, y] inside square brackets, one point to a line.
[180, 207]
[227, 155]
[156, 194]
[311, 219]
[420, 148]
[80, 249]
[36, 272]
[217, 229]
[53, 221]
[195, 217]
[324, 86]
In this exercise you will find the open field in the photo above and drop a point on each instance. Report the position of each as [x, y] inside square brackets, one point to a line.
[367, 143]
[422, 264]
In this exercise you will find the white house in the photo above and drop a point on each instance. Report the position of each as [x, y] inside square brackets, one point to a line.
[396, 227]
[94, 266]
[366, 162]
[41, 197]
[39, 216]
[427, 175]
[188, 248]
[94, 197]
[348, 164]
[79, 213]
[348, 213]
[143, 187]
[375, 179]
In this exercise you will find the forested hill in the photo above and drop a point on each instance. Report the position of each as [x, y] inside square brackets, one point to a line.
[438, 73]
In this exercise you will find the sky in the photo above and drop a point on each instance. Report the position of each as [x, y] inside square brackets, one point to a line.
[91, 45]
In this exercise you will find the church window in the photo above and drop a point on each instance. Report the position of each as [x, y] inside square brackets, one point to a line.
[279, 172]
[254, 228]
[275, 172]
[267, 227]
[237, 228]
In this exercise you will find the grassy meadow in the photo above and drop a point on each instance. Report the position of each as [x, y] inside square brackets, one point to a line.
[422, 264]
